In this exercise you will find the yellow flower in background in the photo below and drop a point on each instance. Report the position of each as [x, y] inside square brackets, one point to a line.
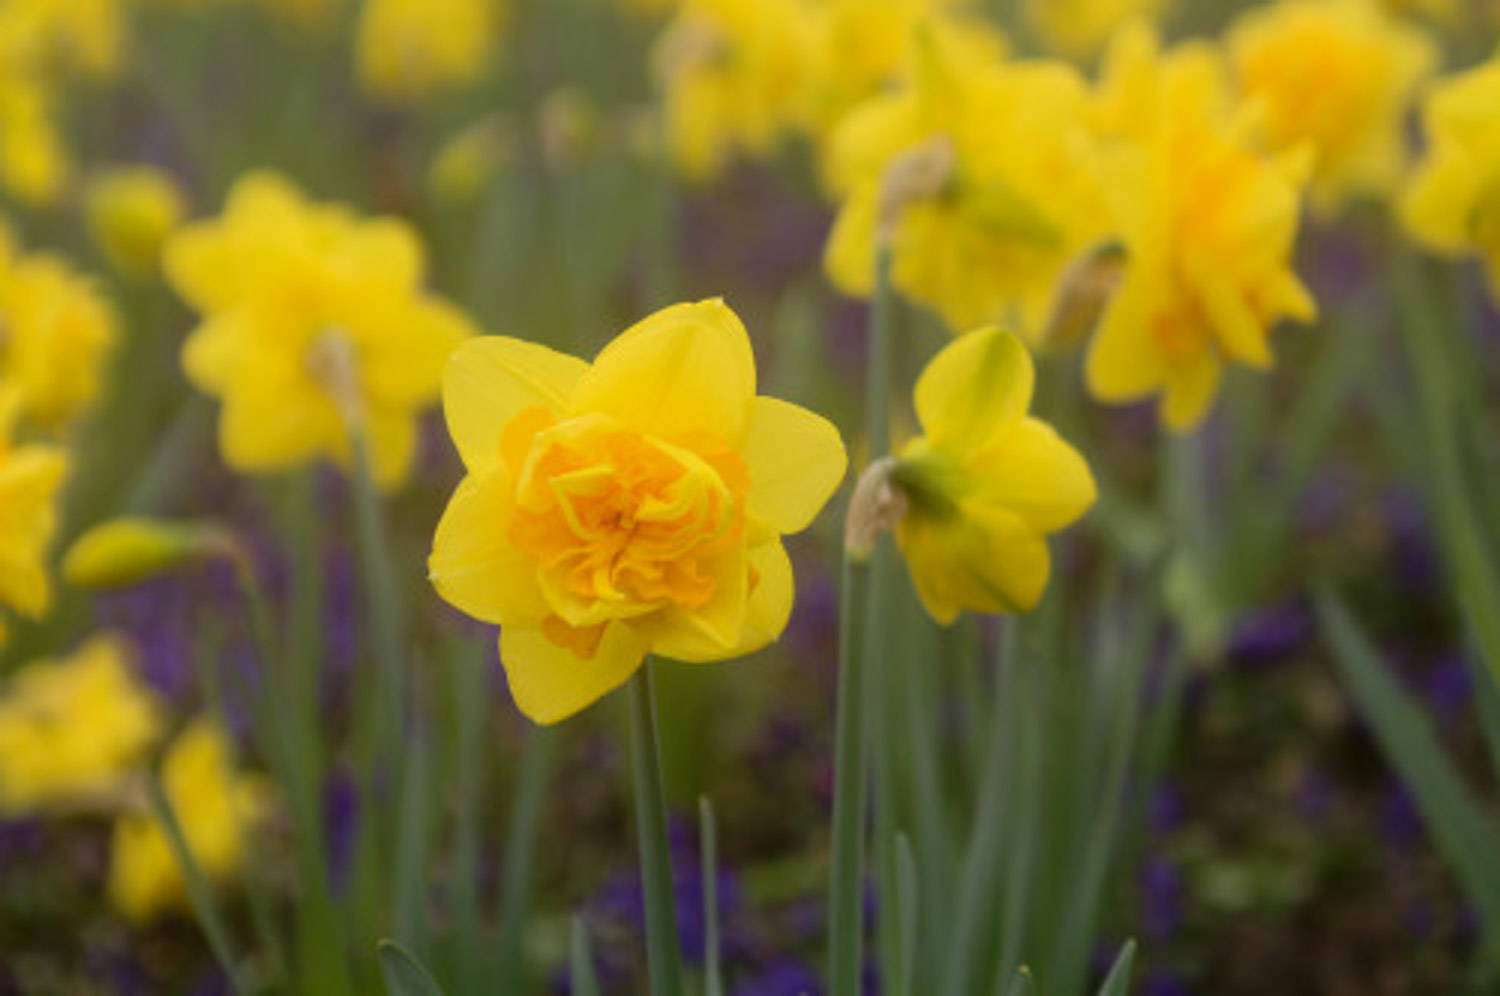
[1452, 204]
[30, 477]
[862, 47]
[986, 483]
[1079, 28]
[733, 77]
[314, 320]
[1138, 82]
[466, 161]
[53, 38]
[56, 332]
[130, 210]
[1338, 75]
[1208, 226]
[217, 808]
[408, 50]
[981, 179]
[74, 731]
[34, 166]
[630, 506]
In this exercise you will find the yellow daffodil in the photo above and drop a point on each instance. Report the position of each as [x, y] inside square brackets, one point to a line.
[408, 50]
[1339, 76]
[1208, 225]
[56, 332]
[1138, 81]
[315, 322]
[53, 38]
[30, 477]
[73, 731]
[1080, 27]
[130, 211]
[34, 166]
[217, 809]
[733, 75]
[862, 47]
[981, 181]
[631, 506]
[1453, 202]
[986, 483]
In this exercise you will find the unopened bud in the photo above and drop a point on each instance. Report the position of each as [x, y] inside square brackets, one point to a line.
[918, 174]
[127, 551]
[878, 505]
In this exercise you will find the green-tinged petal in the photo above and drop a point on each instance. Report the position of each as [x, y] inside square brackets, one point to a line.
[796, 461]
[1033, 472]
[550, 683]
[489, 380]
[687, 369]
[474, 565]
[766, 613]
[974, 388]
[984, 560]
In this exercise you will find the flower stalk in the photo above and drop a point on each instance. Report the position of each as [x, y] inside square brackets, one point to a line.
[663, 948]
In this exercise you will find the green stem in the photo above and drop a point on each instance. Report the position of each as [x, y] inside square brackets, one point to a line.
[663, 949]
[520, 852]
[862, 618]
[713, 975]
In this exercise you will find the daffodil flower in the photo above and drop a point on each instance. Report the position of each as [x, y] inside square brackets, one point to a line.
[315, 323]
[30, 478]
[985, 483]
[633, 505]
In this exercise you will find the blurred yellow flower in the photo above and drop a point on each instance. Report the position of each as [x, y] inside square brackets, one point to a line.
[130, 211]
[1079, 28]
[129, 550]
[986, 483]
[56, 332]
[315, 322]
[408, 50]
[1208, 227]
[1452, 204]
[1338, 75]
[733, 76]
[631, 506]
[1138, 81]
[53, 38]
[73, 731]
[981, 180]
[217, 809]
[34, 165]
[30, 478]
[862, 47]
[466, 161]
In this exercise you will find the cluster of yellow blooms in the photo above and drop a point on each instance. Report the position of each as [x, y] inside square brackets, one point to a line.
[75, 735]
[316, 329]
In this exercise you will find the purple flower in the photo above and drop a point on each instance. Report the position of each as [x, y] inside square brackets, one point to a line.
[782, 978]
[1161, 890]
[1271, 635]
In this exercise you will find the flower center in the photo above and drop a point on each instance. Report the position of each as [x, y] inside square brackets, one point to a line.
[620, 523]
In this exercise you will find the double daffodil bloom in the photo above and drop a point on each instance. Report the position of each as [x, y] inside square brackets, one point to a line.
[217, 808]
[1208, 226]
[985, 483]
[30, 478]
[73, 731]
[315, 324]
[1338, 75]
[733, 77]
[1453, 202]
[980, 180]
[633, 505]
[56, 332]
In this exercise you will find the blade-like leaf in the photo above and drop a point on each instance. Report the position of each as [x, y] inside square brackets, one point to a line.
[1117, 982]
[404, 975]
[581, 976]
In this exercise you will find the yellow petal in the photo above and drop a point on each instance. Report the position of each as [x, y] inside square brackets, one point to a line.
[796, 460]
[489, 380]
[685, 369]
[414, 346]
[975, 387]
[474, 565]
[1189, 390]
[766, 613]
[849, 256]
[1033, 472]
[550, 683]
[1235, 325]
[1122, 363]
[391, 436]
[216, 350]
[981, 559]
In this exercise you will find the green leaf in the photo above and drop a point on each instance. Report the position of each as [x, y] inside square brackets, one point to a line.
[713, 979]
[581, 975]
[404, 975]
[1117, 982]
[1023, 984]
[1452, 816]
